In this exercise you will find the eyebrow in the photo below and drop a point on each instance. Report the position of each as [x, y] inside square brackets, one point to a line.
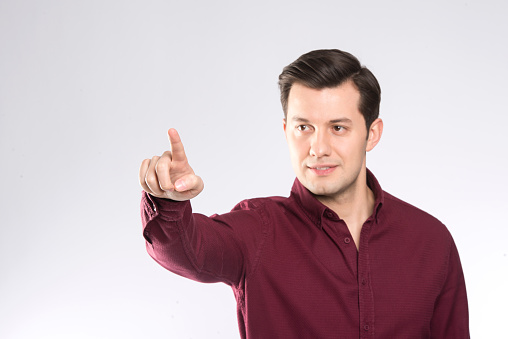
[334, 121]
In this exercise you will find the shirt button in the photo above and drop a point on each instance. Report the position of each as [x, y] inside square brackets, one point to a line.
[366, 327]
[347, 240]
[364, 281]
[329, 214]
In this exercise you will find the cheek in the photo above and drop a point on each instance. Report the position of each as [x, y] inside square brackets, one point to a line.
[351, 148]
[298, 147]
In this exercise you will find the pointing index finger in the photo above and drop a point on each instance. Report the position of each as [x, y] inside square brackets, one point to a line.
[176, 145]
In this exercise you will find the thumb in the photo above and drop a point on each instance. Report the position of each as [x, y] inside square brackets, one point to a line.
[189, 182]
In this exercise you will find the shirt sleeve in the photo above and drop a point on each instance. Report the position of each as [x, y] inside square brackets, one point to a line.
[451, 318]
[220, 248]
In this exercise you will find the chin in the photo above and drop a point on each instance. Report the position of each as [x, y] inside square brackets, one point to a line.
[324, 190]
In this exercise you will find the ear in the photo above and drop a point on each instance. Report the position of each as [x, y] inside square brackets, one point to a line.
[375, 132]
[284, 124]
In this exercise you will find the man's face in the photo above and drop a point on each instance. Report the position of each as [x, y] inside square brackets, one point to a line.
[327, 138]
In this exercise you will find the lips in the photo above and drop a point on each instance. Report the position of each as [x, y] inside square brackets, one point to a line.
[322, 169]
[321, 166]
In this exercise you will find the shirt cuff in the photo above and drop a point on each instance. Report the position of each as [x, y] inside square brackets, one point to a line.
[166, 208]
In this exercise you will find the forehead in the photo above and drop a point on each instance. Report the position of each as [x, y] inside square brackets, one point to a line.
[326, 103]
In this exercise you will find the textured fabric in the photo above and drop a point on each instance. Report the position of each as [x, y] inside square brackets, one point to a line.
[296, 272]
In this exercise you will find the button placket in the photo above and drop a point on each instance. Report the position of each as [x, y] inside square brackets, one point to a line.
[366, 298]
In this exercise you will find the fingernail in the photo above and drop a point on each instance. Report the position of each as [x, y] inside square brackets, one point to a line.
[179, 185]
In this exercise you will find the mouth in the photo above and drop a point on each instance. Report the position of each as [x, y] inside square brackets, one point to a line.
[322, 170]
[322, 166]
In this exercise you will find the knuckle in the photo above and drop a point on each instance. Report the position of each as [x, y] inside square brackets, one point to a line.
[151, 180]
[155, 158]
[144, 165]
[161, 166]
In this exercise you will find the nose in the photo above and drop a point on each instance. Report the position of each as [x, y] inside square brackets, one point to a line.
[320, 144]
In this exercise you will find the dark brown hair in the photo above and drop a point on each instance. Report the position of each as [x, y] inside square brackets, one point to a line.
[328, 68]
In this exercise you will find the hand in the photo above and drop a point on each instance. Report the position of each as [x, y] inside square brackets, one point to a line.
[170, 175]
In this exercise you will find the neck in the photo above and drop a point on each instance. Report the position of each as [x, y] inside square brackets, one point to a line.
[354, 206]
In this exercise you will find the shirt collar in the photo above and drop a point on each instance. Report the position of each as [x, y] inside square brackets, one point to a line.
[315, 209]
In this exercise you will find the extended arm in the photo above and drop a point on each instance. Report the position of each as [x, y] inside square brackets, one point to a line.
[207, 249]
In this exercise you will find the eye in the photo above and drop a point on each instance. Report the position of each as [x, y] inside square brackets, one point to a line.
[302, 128]
[338, 128]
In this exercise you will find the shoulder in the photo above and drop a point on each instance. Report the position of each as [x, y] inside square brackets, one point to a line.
[399, 213]
[273, 209]
[274, 203]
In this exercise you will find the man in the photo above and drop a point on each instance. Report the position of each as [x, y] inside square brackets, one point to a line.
[338, 258]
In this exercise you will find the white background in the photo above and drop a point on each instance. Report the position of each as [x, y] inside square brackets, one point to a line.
[88, 90]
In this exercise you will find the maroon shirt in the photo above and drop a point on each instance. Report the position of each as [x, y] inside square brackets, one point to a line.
[296, 272]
